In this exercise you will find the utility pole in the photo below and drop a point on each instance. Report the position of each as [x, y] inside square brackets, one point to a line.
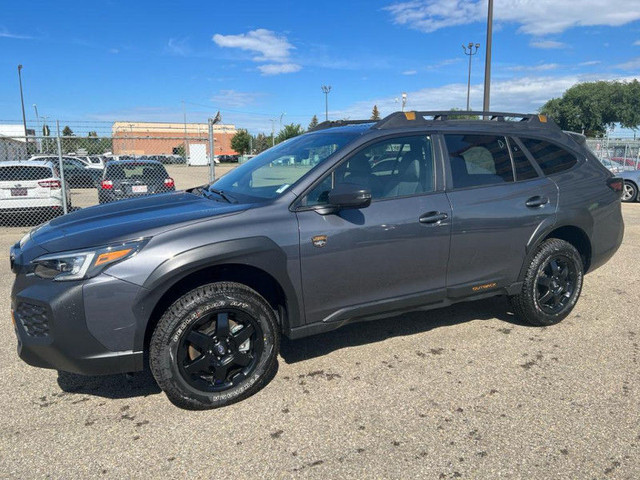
[186, 143]
[470, 50]
[487, 61]
[35, 107]
[24, 117]
[326, 89]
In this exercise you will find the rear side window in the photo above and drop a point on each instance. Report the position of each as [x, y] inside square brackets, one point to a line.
[8, 174]
[524, 169]
[551, 158]
[479, 160]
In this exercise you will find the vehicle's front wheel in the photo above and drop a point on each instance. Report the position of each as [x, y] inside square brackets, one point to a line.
[214, 346]
[630, 192]
[552, 284]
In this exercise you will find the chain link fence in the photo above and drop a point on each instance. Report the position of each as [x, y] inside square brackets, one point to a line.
[67, 166]
[617, 151]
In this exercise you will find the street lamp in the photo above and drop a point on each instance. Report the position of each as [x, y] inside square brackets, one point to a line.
[326, 89]
[404, 100]
[470, 50]
[24, 117]
[487, 60]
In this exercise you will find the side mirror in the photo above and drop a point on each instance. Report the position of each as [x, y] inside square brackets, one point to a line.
[349, 195]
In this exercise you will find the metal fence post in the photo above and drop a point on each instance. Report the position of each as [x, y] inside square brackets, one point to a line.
[63, 184]
[212, 155]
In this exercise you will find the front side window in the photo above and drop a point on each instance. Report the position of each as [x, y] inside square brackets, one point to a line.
[391, 168]
[478, 160]
[551, 158]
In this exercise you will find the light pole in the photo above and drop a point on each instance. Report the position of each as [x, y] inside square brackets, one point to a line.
[326, 89]
[35, 107]
[470, 50]
[212, 154]
[404, 100]
[487, 61]
[24, 117]
[273, 132]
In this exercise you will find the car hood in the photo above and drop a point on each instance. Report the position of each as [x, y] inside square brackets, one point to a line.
[127, 219]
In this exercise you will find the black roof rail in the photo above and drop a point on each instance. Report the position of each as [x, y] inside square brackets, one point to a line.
[405, 119]
[338, 123]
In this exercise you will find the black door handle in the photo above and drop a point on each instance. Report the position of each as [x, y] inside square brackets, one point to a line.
[433, 217]
[537, 201]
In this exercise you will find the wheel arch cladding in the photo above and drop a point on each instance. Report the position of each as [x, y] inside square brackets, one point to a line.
[255, 262]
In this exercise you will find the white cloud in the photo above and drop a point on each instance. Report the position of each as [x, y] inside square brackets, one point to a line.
[543, 67]
[409, 72]
[538, 17]
[234, 98]
[268, 46]
[525, 94]
[177, 46]
[636, 43]
[114, 51]
[4, 33]
[278, 68]
[590, 63]
[547, 44]
[633, 64]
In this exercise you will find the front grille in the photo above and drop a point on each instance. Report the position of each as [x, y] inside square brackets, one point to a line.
[33, 318]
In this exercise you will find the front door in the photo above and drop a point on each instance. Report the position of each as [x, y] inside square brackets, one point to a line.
[388, 256]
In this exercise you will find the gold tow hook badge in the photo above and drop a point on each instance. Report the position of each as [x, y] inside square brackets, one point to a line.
[319, 241]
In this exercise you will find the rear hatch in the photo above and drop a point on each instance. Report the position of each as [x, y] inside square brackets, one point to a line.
[20, 183]
[137, 179]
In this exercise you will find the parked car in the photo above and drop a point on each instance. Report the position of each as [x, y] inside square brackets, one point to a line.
[129, 179]
[97, 160]
[631, 183]
[627, 163]
[228, 158]
[76, 173]
[89, 162]
[32, 190]
[204, 282]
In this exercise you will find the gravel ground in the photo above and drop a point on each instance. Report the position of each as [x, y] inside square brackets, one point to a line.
[462, 392]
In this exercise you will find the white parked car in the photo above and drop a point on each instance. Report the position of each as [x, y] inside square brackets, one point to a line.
[31, 188]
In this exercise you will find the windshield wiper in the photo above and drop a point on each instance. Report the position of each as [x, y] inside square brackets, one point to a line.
[226, 197]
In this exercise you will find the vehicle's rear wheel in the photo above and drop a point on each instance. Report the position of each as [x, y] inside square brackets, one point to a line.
[552, 284]
[630, 192]
[214, 346]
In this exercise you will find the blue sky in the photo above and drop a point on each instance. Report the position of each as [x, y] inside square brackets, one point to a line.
[139, 60]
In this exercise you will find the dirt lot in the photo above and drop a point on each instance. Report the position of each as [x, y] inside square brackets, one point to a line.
[463, 392]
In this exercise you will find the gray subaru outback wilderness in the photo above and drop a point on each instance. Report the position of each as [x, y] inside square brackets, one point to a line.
[349, 222]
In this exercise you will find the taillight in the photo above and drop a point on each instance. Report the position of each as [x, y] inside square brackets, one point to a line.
[169, 183]
[106, 184]
[616, 184]
[53, 184]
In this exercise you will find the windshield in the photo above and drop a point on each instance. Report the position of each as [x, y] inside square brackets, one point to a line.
[272, 172]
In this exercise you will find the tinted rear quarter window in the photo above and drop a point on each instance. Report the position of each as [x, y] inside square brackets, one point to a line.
[551, 158]
[524, 169]
[14, 173]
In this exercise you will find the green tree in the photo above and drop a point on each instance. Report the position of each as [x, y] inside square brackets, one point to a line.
[592, 107]
[375, 114]
[313, 123]
[67, 132]
[462, 116]
[241, 142]
[261, 143]
[289, 131]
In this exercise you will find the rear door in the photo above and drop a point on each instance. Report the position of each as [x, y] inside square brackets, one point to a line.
[499, 199]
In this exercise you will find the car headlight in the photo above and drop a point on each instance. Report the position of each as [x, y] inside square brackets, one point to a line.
[84, 264]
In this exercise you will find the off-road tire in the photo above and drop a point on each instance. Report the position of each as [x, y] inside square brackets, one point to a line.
[186, 312]
[526, 305]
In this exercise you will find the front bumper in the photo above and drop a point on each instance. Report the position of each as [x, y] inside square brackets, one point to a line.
[84, 327]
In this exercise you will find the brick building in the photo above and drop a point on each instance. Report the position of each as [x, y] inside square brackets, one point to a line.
[157, 138]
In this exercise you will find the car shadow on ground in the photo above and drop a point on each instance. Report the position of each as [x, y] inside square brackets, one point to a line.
[142, 384]
[410, 323]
